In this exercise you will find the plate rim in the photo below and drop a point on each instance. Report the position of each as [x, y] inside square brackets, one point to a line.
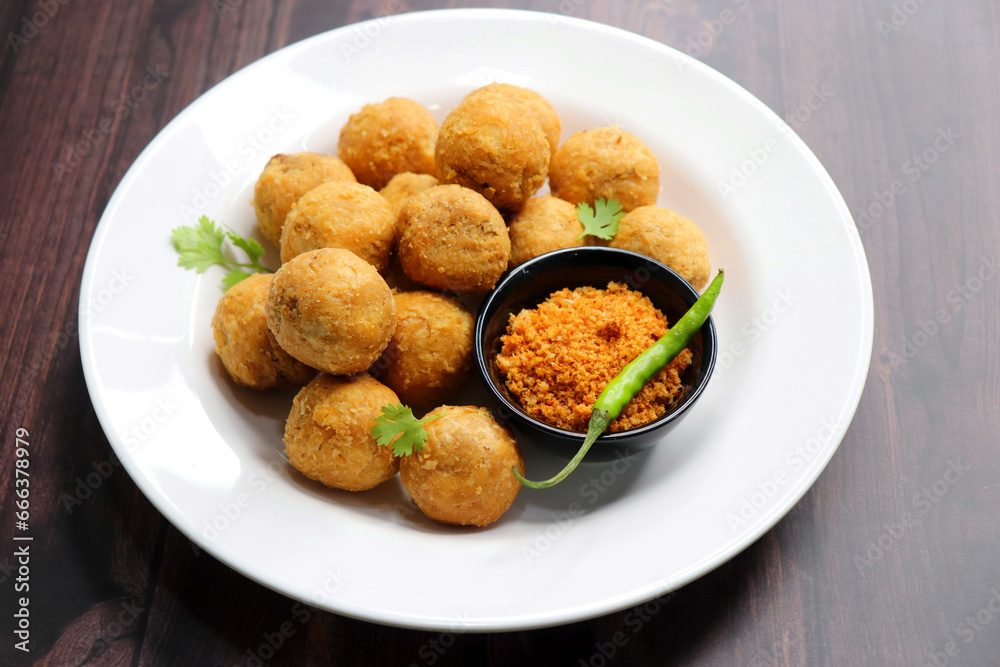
[763, 524]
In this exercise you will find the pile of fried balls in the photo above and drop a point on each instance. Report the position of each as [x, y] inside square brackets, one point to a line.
[383, 247]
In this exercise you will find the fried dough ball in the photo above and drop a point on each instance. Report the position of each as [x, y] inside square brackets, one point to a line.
[431, 350]
[605, 162]
[332, 310]
[246, 346]
[489, 144]
[668, 238]
[451, 238]
[463, 474]
[403, 186]
[388, 138]
[538, 105]
[328, 432]
[286, 178]
[341, 214]
[543, 225]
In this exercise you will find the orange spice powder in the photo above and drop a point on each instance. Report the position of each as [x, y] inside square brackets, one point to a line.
[557, 358]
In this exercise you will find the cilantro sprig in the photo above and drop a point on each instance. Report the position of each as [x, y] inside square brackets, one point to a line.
[201, 246]
[601, 220]
[399, 428]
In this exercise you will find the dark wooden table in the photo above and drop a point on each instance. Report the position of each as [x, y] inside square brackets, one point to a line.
[893, 558]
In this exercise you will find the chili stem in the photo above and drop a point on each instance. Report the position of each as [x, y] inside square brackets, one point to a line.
[635, 375]
[599, 421]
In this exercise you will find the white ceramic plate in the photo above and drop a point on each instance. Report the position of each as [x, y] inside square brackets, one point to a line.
[794, 321]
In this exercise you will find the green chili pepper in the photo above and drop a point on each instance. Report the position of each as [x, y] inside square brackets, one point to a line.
[634, 376]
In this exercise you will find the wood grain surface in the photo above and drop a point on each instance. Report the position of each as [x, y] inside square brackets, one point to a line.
[890, 559]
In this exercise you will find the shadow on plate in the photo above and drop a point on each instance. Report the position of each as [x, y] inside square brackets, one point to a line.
[389, 502]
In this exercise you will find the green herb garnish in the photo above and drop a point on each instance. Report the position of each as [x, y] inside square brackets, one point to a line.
[398, 427]
[601, 220]
[200, 246]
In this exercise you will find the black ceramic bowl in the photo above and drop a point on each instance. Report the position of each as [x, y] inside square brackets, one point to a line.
[531, 283]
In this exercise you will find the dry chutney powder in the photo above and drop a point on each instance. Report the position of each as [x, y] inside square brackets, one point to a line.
[556, 358]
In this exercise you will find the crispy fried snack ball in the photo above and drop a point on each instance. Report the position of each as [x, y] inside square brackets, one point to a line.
[538, 105]
[388, 138]
[489, 144]
[332, 310]
[286, 178]
[605, 162]
[431, 350]
[463, 474]
[246, 346]
[328, 432]
[451, 238]
[341, 214]
[543, 225]
[403, 186]
[668, 238]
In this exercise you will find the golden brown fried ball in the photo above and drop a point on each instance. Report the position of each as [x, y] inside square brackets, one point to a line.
[344, 215]
[403, 186]
[463, 474]
[328, 432]
[246, 346]
[388, 138]
[489, 144]
[535, 103]
[286, 178]
[605, 162]
[332, 310]
[543, 225]
[451, 238]
[668, 238]
[431, 350]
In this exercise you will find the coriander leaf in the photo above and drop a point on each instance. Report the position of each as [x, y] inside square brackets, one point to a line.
[233, 277]
[601, 220]
[251, 247]
[200, 246]
[398, 427]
